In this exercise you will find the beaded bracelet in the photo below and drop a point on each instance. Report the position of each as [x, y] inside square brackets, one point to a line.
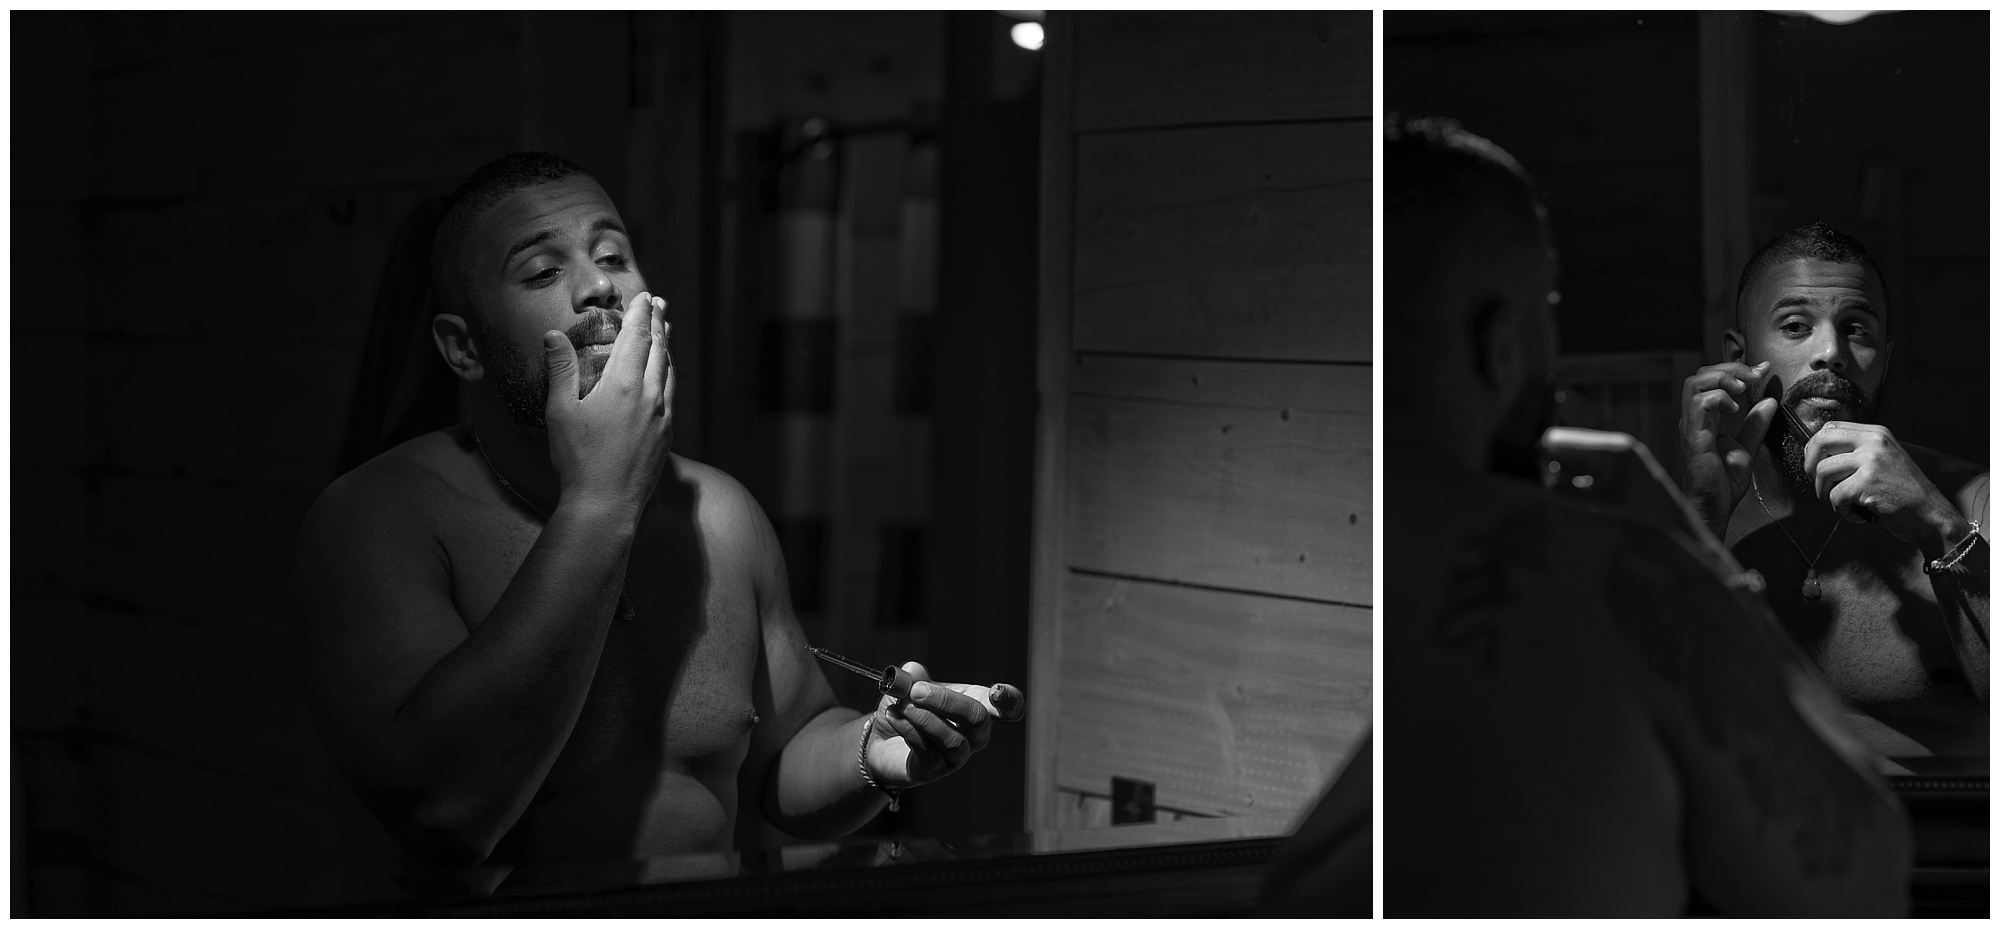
[1957, 553]
[861, 761]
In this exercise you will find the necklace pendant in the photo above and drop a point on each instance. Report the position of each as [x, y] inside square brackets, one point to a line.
[1811, 587]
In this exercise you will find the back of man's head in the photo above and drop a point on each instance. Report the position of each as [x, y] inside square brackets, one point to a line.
[1445, 191]
[1814, 241]
[487, 185]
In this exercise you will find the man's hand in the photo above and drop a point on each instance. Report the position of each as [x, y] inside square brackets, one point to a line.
[610, 446]
[935, 732]
[1862, 465]
[1720, 436]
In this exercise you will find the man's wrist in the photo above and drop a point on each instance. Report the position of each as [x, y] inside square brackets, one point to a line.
[600, 509]
[868, 776]
[1948, 529]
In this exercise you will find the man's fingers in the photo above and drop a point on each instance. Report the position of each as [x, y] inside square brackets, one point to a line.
[1826, 443]
[1715, 403]
[966, 714]
[635, 339]
[1831, 471]
[1003, 702]
[1731, 376]
[1849, 496]
[559, 357]
[656, 344]
[1756, 423]
[937, 735]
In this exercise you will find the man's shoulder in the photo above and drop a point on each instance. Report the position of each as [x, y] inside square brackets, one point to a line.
[1962, 480]
[722, 506]
[405, 481]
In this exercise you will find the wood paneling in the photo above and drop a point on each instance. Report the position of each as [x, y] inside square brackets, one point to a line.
[1053, 357]
[407, 103]
[1232, 704]
[1221, 480]
[1164, 68]
[1204, 519]
[1226, 242]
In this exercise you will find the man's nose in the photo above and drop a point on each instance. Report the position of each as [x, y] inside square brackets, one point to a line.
[1830, 351]
[596, 290]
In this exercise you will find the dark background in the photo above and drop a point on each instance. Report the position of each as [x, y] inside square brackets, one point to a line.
[1877, 127]
[203, 213]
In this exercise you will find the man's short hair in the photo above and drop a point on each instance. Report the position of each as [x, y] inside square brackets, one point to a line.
[487, 185]
[1814, 241]
[1436, 178]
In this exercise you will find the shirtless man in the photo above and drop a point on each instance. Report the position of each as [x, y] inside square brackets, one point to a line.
[1580, 719]
[539, 636]
[1843, 525]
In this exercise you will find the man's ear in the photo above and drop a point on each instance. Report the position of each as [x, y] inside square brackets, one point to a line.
[454, 342]
[1499, 346]
[1732, 345]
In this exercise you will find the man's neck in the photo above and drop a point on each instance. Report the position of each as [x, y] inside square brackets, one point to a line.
[1780, 498]
[519, 456]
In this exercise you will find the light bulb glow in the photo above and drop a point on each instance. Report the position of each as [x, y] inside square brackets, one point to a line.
[1027, 35]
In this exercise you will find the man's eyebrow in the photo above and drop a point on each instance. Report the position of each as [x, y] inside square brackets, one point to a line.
[543, 235]
[529, 241]
[1853, 302]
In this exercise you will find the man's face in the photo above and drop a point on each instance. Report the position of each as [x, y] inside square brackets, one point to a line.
[552, 256]
[1820, 325]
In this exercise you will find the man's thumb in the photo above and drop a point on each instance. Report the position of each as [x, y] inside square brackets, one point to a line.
[560, 358]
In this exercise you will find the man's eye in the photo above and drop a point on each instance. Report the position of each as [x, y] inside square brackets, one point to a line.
[542, 276]
[1794, 327]
[614, 260]
[1859, 331]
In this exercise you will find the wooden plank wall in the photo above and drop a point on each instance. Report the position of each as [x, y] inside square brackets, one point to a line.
[1203, 565]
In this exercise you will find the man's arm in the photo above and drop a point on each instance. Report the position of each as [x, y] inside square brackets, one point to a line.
[1932, 506]
[1785, 814]
[805, 768]
[1961, 590]
[450, 732]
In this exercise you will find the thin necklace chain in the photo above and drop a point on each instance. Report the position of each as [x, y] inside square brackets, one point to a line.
[502, 478]
[1812, 564]
[625, 609]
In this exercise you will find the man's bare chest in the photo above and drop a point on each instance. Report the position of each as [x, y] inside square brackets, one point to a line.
[1858, 604]
[672, 687]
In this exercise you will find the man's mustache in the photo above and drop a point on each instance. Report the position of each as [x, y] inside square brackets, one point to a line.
[599, 326]
[1825, 383]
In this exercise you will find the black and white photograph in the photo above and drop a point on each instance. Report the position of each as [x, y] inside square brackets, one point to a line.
[1685, 352]
[717, 463]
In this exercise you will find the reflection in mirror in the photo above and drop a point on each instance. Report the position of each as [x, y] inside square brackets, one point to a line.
[1043, 365]
[1663, 184]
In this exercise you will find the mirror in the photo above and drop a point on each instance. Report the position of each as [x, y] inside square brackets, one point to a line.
[1031, 391]
[1661, 182]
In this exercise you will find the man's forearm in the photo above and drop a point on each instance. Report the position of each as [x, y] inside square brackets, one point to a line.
[1961, 595]
[815, 789]
[487, 722]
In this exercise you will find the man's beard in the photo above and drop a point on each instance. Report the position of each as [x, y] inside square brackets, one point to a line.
[1516, 447]
[523, 385]
[1787, 447]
